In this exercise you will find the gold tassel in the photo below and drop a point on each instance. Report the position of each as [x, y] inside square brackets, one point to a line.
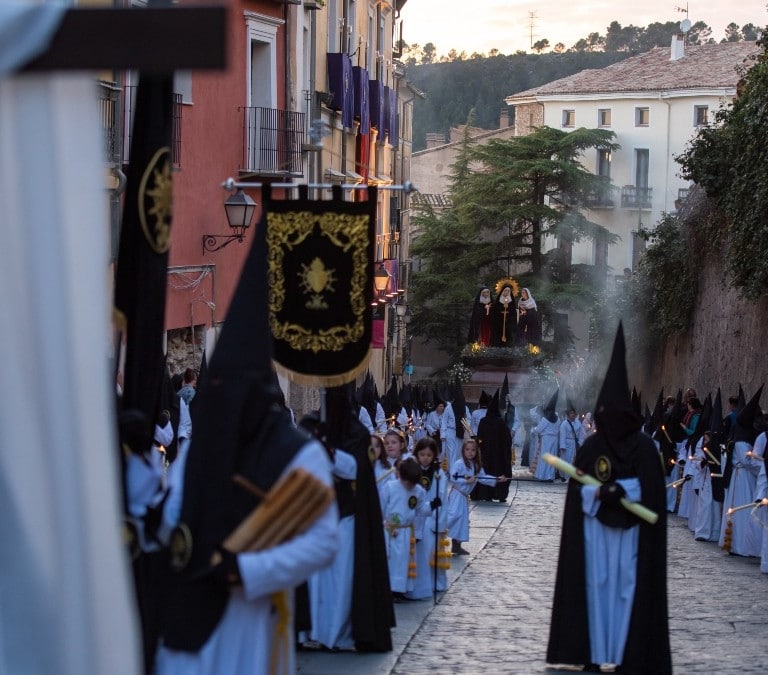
[280, 639]
[728, 537]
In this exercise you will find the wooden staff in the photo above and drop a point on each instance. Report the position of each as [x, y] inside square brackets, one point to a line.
[636, 508]
[748, 505]
[467, 426]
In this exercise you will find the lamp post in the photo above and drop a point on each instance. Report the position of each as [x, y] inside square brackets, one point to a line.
[239, 208]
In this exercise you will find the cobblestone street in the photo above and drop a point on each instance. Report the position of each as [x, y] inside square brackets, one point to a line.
[495, 616]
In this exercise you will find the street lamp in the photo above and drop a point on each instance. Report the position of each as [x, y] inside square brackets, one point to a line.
[239, 208]
[381, 279]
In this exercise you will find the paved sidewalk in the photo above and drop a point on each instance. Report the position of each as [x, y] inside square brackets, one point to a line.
[494, 618]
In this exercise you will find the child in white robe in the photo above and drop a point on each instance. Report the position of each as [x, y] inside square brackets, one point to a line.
[394, 449]
[401, 501]
[465, 473]
[430, 528]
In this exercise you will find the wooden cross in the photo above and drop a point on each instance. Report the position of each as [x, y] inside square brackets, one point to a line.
[150, 40]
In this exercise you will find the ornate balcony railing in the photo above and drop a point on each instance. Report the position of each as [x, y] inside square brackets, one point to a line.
[633, 197]
[128, 112]
[109, 107]
[272, 142]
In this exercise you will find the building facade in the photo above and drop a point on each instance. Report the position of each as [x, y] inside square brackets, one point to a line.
[313, 93]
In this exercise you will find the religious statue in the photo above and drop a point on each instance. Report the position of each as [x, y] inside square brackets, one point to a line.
[480, 321]
[504, 322]
[528, 319]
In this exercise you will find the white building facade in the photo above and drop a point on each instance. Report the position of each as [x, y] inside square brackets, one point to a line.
[655, 103]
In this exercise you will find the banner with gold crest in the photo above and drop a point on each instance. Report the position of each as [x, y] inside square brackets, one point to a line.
[320, 266]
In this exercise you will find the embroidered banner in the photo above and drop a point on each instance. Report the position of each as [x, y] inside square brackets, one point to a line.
[320, 267]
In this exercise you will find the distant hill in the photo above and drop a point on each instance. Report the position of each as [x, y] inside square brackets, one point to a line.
[454, 88]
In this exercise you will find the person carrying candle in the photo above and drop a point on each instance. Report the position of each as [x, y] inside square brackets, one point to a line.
[610, 602]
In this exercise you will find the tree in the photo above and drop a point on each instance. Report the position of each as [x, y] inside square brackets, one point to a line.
[727, 159]
[732, 33]
[500, 214]
[749, 32]
[559, 48]
[429, 53]
[700, 34]
[540, 45]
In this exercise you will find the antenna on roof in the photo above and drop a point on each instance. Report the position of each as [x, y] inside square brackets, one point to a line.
[683, 9]
[532, 16]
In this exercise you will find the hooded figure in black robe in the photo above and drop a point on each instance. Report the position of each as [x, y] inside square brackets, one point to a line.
[618, 450]
[481, 319]
[372, 613]
[495, 452]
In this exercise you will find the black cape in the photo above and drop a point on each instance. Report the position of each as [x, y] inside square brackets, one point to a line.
[496, 455]
[647, 649]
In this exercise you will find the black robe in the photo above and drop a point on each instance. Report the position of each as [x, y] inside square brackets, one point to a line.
[496, 455]
[647, 648]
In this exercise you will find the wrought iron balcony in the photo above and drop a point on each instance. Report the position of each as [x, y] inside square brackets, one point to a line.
[272, 142]
[129, 94]
[633, 197]
[602, 197]
[109, 107]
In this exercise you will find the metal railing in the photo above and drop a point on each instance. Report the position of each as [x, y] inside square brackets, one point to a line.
[633, 197]
[129, 109]
[602, 197]
[273, 141]
[109, 110]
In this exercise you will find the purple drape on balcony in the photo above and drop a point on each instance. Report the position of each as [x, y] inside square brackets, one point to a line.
[362, 99]
[393, 117]
[387, 114]
[376, 102]
[340, 87]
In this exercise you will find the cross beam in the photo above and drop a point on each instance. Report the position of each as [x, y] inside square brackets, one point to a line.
[150, 40]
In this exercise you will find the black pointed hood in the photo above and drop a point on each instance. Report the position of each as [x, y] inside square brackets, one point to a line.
[716, 421]
[658, 410]
[391, 400]
[493, 406]
[614, 414]
[636, 403]
[484, 399]
[550, 409]
[745, 429]
[504, 391]
[742, 398]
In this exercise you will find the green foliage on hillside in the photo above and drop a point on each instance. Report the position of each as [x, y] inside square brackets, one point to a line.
[727, 159]
[457, 83]
[454, 89]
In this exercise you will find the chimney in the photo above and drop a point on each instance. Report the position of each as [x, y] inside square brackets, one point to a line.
[435, 139]
[677, 51]
[504, 118]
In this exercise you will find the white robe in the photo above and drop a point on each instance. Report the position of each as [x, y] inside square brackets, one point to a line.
[424, 552]
[255, 619]
[611, 576]
[330, 589]
[398, 509]
[548, 434]
[684, 508]
[458, 497]
[706, 521]
[746, 533]
[451, 442]
[570, 434]
[761, 492]
[475, 417]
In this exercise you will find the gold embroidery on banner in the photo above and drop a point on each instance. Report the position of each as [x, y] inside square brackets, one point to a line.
[157, 186]
[285, 231]
[315, 279]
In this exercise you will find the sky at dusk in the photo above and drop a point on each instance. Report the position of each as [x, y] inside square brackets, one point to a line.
[482, 25]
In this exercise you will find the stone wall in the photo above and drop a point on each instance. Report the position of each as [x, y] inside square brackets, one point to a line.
[725, 347]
